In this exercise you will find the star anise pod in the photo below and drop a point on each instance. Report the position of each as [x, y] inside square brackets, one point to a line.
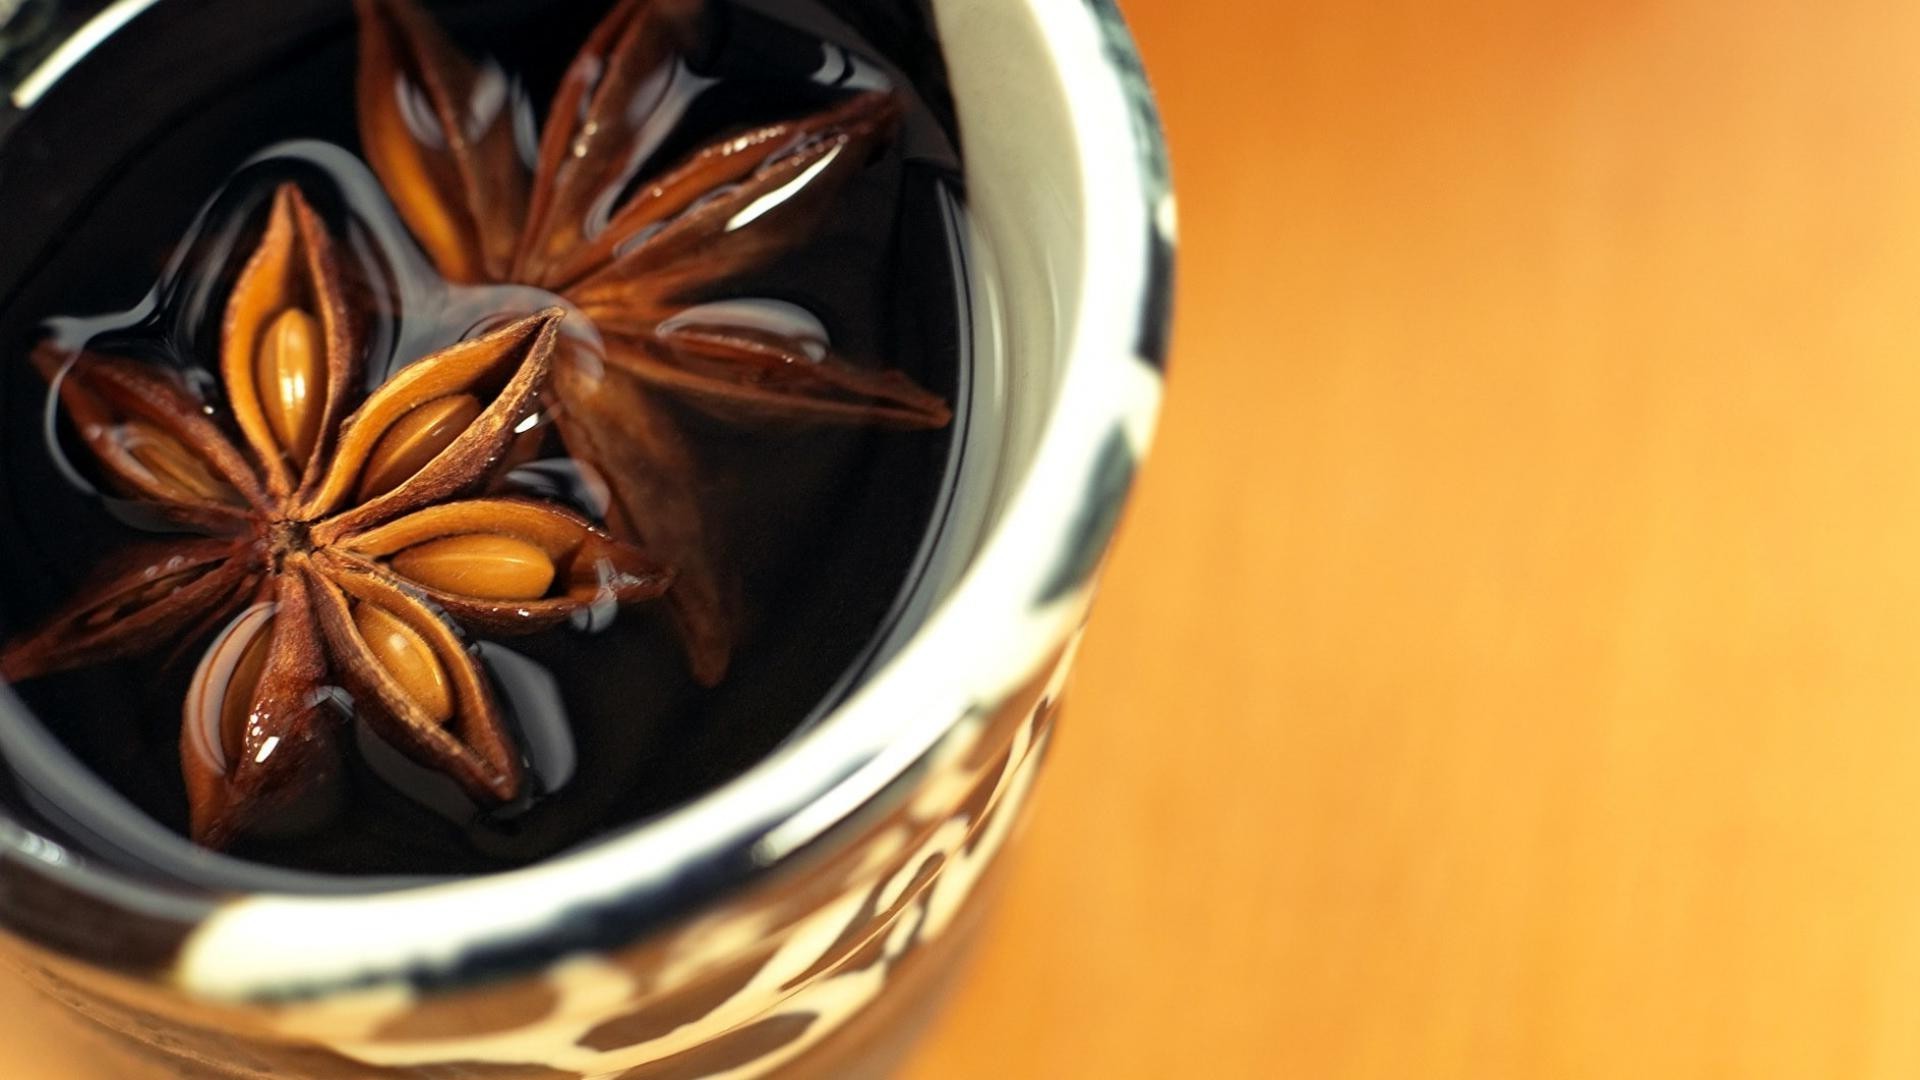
[342, 539]
[632, 253]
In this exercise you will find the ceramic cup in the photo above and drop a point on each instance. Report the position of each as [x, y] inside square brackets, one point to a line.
[801, 918]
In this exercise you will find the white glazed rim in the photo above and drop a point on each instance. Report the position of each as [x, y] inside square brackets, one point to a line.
[996, 628]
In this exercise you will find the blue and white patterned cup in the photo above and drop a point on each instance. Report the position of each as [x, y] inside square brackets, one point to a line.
[801, 918]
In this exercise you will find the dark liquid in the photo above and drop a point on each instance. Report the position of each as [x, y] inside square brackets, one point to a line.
[822, 524]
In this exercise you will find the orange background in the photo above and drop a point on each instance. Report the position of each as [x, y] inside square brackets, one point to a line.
[1508, 668]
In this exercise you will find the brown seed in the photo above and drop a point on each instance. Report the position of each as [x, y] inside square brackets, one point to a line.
[407, 657]
[290, 371]
[172, 464]
[414, 440]
[479, 564]
[236, 706]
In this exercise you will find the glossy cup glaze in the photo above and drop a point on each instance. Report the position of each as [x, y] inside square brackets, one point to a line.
[800, 918]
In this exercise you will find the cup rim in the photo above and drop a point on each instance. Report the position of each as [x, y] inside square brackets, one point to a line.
[613, 890]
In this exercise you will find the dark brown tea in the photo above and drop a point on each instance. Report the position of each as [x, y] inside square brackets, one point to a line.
[437, 434]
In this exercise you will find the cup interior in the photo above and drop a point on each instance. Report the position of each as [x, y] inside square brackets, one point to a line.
[1009, 296]
[1066, 311]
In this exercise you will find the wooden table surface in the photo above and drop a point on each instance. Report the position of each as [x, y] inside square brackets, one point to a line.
[1508, 668]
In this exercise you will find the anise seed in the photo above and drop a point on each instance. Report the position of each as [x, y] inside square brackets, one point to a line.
[290, 370]
[479, 564]
[407, 657]
[237, 704]
[172, 463]
[414, 440]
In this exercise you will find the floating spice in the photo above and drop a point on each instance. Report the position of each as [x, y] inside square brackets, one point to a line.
[633, 254]
[507, 381]
[348, 537]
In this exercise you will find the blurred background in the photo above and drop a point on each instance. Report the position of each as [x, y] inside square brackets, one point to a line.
[1508, 666]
